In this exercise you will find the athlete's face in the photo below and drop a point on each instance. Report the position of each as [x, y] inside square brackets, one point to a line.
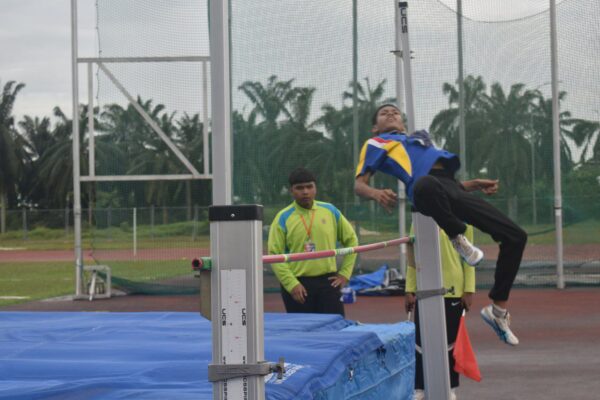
[304, 193]
[388, 119]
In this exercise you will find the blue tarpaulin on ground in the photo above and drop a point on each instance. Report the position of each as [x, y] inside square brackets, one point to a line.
[165, 355]
[370, 280]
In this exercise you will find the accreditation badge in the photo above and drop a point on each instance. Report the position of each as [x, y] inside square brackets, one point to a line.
[309, 247]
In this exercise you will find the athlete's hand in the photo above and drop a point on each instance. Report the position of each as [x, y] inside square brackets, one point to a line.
[487, 186]
[387, 199]
[338, 281]
[467, 300]
[409, 301]
[299, 293]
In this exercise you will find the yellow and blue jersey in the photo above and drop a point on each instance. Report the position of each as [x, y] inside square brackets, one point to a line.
[288, 234]
[405, 157]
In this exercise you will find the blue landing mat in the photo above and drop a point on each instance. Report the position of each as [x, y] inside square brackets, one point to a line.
[163, 355]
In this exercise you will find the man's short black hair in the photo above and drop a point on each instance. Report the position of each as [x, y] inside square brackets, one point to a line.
[374, 118]
[301, 175]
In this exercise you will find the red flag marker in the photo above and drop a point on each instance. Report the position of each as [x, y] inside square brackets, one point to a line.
[464, 356]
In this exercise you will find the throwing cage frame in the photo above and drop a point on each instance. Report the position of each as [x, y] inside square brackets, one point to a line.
[236, 238]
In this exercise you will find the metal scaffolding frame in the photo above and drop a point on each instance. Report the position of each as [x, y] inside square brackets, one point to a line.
[102, 62]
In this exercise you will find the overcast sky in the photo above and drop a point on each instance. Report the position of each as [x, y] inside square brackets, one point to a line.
[35, 38]
[36, 48]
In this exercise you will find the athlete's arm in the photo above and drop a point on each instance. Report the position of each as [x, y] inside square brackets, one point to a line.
[386, 198]
[487, 186]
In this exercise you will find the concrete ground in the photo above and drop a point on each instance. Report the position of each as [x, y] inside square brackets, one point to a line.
[558, 358]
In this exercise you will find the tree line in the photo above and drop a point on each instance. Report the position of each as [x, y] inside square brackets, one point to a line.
[505, 128]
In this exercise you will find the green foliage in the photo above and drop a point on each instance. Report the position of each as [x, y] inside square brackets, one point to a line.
[505, 128]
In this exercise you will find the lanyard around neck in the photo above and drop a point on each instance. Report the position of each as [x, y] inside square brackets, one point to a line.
[308, 228]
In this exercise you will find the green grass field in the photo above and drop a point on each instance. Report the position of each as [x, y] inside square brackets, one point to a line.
[35, 281]
[27, 281]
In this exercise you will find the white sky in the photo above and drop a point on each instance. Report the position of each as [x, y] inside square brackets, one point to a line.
[36, 48]
[35, 38]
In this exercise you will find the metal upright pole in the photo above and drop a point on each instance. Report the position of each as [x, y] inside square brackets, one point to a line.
[236, 246]
[205, 140]
[354, 84]
[430, 288]
[432, 315]
[461, 94]
[134, 231]
[400, 103]
[220, 101]
[402, 10]
[76, 169]
[560, 279]
[237, 303]
[355, 144]
[91, 136]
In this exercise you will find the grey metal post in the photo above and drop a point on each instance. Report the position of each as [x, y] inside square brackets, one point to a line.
[560, 279]
[533, 199]
[91, 136]
[432, 317]
[220, 101]
[429, 273]
[237, 297]
[402, 11]
[400, 103]
[134, 231]
[24, 217]
[76, 169]
[355, 132]
[354, 84]
[205, 141]
[66, 221]
[152, 220]
[195, 224]
[461, 94]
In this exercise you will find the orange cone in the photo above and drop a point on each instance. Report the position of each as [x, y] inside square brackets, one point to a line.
[464, 356]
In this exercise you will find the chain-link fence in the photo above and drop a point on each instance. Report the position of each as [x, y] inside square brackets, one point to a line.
[300, 99]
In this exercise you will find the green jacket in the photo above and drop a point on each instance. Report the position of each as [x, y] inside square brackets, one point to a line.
[288, 234]
[455, 272]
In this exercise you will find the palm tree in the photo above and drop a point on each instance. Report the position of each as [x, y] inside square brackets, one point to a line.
[10, 164]
[272, 100]
[337, 143]
[276, 132]
[583, 133]
[505, 149]
[191, 139]
[541, 131]
[36, 137]
[445, 125]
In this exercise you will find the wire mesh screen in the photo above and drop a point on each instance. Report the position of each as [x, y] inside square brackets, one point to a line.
[508, 115]
[295, 103]
[149, 231]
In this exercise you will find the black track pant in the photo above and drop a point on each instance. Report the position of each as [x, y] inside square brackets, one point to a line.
[322, 297]
[454, 309]
[441, 197]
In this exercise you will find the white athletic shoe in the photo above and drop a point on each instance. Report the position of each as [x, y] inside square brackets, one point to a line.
[452, 394]
[500, 325]
[471, 254]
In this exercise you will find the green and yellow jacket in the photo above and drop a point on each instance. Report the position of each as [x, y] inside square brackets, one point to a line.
[288, 234]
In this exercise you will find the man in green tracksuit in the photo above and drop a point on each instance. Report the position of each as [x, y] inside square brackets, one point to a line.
[459, 280]
[307, 225]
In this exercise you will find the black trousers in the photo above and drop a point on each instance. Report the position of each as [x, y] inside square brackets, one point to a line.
[440, 196]
[322, 297]
[454, 309]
